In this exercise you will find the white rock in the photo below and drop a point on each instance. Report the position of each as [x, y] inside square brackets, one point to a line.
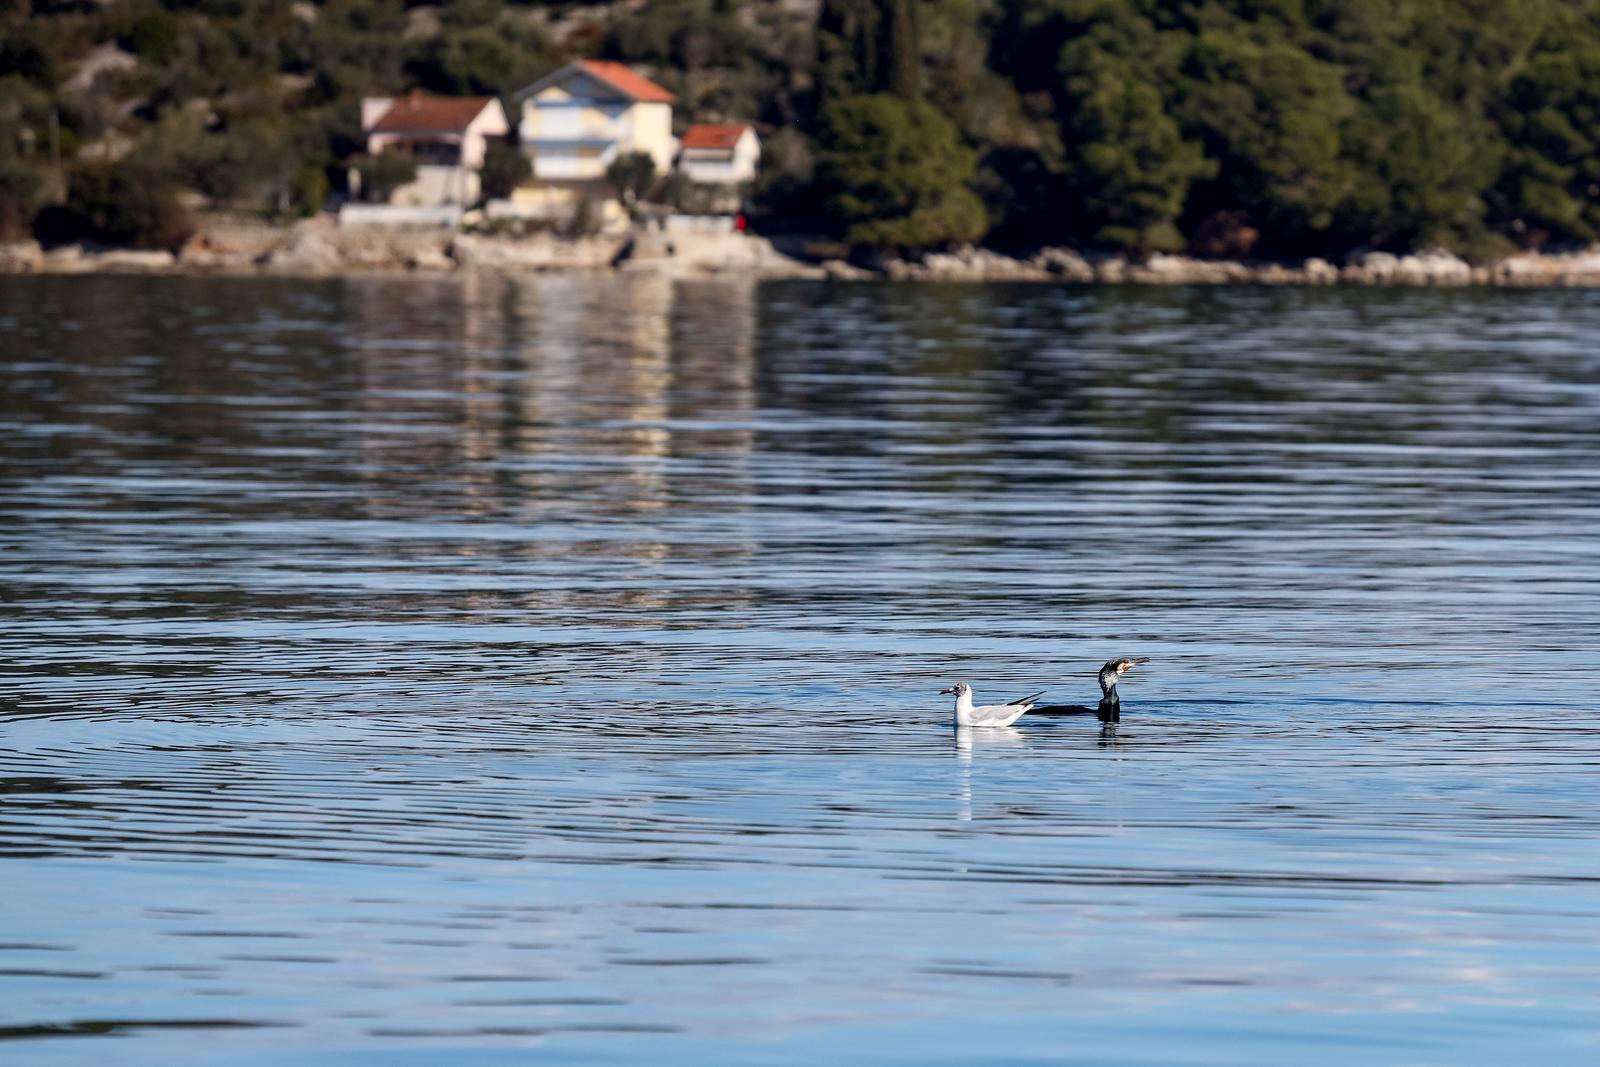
[133, 259]
[307, 252]
[1433, 267]
[1065, 263]
[839, 270]
[1162, 264]
[23, 257]
[1319, 270]
[429, 259]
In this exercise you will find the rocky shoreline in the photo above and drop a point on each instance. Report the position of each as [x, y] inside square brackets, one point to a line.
[1569, 269]
[316, 248]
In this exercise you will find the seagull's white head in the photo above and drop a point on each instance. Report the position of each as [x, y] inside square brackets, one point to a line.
[960, 689]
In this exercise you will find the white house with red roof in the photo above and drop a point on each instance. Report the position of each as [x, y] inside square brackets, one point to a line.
[578, 120]
[446, 136]
[725, 154]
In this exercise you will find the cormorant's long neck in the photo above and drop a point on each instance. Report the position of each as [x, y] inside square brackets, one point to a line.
[1110, 709]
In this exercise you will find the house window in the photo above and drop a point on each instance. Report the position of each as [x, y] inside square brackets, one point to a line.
[436, 153]
[559, 122]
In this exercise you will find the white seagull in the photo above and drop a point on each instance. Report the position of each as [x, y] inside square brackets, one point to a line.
[989, 714]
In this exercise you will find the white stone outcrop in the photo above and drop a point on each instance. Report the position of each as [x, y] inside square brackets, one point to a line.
[1423, 268]
[21, 257]
[315, 247]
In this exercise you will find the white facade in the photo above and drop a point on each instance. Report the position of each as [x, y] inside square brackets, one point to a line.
[577, 122]
[721, 166]
[446, 137]
[444, 134]
[439, 185]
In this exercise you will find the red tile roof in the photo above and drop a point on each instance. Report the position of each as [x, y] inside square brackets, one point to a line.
[721, 138]
[626, 82]
[435, 113]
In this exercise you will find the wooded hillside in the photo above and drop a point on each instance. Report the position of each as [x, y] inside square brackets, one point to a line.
[1225, 127]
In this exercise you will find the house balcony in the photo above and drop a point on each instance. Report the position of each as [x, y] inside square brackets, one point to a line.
[442, 151]
[571, 160]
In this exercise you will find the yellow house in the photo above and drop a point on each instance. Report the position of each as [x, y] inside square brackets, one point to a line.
[579, 120]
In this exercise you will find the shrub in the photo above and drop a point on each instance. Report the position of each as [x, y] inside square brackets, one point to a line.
[504, 168]
[126, 205]
[155, 37]
[632, 175]
[308, 190]
[897, 173]
[382, 175]
[19, 199]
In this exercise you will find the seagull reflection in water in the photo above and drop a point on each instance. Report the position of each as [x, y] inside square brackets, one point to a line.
[969, 739]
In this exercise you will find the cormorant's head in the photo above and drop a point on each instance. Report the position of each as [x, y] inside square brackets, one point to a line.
[960, 689]
[1115, 669]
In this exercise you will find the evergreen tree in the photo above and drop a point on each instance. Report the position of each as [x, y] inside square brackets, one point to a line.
[847, 50]
[896, 174]
[1315, 125]
[1270, 116]
[1131, 165]
[1419, 172]
[900, 58]
[1551, 185]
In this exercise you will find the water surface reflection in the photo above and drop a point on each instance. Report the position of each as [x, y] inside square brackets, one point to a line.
[468, 666]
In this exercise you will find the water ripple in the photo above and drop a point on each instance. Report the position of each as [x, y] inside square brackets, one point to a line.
[488, 664]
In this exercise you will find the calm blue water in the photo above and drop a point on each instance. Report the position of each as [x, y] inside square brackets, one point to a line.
[494, 671]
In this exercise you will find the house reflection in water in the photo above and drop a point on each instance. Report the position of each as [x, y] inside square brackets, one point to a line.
[589, 416]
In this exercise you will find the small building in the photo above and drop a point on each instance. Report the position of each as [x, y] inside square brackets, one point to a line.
[577, 121]
[446, 136]
[719, 155]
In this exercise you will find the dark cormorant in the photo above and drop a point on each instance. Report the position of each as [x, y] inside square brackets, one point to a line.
[1110, 707]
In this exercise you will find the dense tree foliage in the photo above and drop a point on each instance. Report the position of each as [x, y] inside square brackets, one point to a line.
[382, 174]
[118, 205]
[897, 174]
[1273, 127]
[19, 199]
[631, 175]
[504, 168]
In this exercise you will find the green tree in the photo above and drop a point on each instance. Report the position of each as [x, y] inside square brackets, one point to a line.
[848, 50]
[155, 37]
[382, 174]
[1419, 172]
[504, 168]
[900, 57]
[1130, 164]
[27, 50]
[1125, 167]
[469, 62]
[118, 204]
[308, 191]
[631, 175]
[252, 163]
[20, 190]
[1551, 184]
[896, 174]
[1270, 116]
[868, 46]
